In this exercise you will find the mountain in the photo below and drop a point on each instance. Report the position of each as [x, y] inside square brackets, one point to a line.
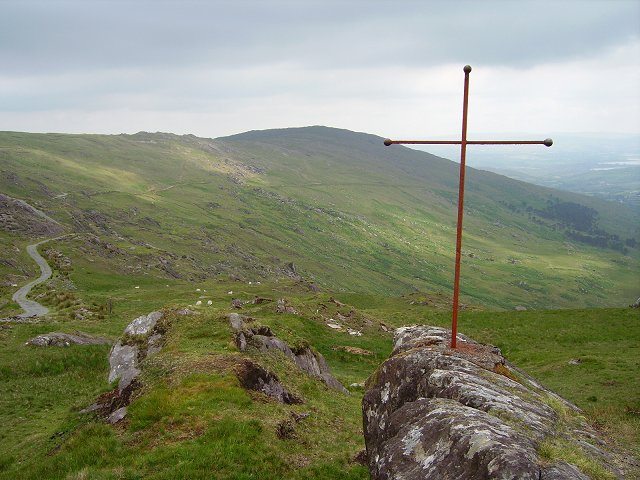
[323, 205]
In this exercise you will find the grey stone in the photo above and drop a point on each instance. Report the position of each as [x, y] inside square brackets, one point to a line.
[440, 438]
[91, 408]
[236, 321]
[282, 306]
[123, 362]
[315, 365]
[117, 415]
[143, 324]
[57, 339]
[431, 412]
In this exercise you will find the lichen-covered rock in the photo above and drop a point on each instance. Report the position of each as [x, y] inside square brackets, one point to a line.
[125, 354]
[430, 412]
[143, 324]
[262, 339]
[123, 364]
[57, 339]
[143, 337]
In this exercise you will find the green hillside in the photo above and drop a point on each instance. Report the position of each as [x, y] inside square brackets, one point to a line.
[349, 213]
[191, 419]
[159, 221]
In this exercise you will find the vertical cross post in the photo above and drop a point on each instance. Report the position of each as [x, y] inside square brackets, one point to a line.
[463, 142]
[463, 159]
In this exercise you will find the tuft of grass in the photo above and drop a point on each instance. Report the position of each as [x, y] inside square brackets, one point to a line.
[558, 449]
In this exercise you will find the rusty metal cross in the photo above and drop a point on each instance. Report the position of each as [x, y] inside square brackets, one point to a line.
[463, 142]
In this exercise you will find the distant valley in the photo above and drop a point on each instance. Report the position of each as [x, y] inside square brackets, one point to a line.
[604, 166]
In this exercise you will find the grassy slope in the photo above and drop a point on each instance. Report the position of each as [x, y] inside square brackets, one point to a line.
[375, 221]
[352, 214]
[194, 421]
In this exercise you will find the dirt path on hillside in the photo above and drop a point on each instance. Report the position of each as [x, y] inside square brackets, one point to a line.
[31, 307]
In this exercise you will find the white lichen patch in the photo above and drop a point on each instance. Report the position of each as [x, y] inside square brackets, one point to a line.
[384, 394]
[410, 440]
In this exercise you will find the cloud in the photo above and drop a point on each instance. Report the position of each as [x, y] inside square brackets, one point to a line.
[393, 68]
[54, 36]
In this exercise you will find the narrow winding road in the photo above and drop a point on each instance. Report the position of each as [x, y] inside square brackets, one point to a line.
[31, 307]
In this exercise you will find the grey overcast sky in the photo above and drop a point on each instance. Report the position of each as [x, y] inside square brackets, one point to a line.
[393, 68]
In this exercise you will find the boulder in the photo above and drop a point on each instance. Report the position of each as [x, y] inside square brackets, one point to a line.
[57, 339]
[143, 324]
[123, 364]
[431, 412]
[143, 337]
[127, 352]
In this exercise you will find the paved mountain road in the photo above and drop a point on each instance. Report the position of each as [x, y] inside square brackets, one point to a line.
[31, 307]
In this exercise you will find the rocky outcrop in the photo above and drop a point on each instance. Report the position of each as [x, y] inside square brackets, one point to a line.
[58, 339]
[254, 377]
[237, 303]
[139, 340]
[142, 338]
[17, 216]
[282, 306]
[262, 339]
[430, 412]
[143, 324]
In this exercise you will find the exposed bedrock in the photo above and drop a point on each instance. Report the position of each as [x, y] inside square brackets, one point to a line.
[141, 339]
[58, 339]
[430, 412]
[262, 339]
[254, 377]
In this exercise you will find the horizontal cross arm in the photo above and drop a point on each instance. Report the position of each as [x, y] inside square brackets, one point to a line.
[547, 142]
